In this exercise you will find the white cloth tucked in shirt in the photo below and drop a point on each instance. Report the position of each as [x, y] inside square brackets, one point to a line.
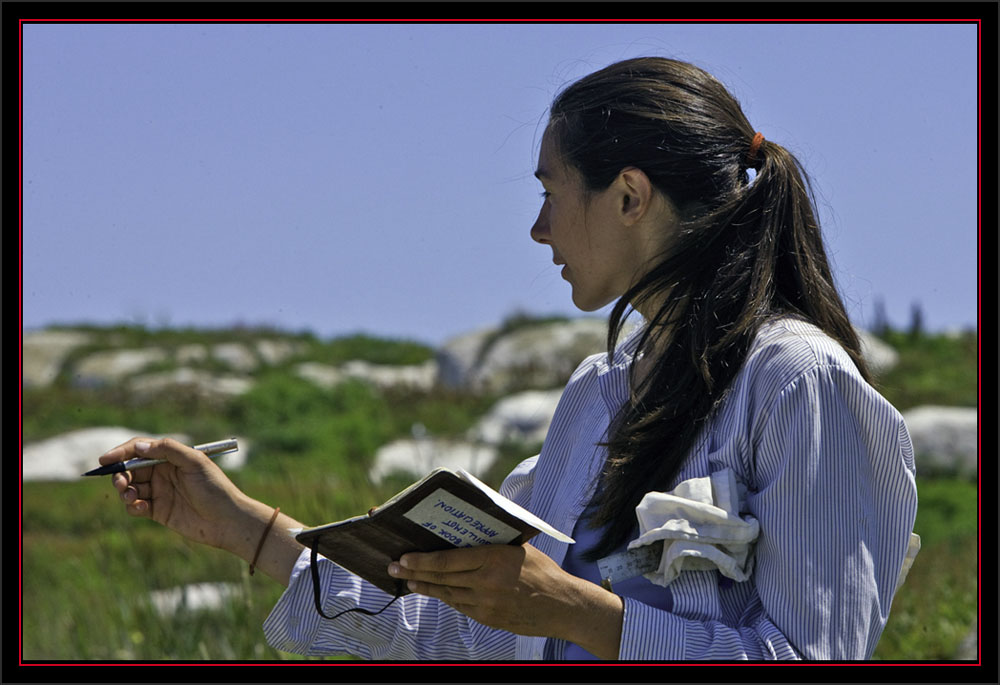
[828, 467]
[701, 528]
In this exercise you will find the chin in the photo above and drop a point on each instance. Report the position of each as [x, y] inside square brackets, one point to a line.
[589, 305]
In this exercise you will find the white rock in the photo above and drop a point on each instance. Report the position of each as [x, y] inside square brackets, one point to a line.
[880, 356]
[457, 357]
[235, 355]
[43, 353]
[202, 382]
[186, 354]
[539, 356]
[110, 366]
[523, 417]
[944, 439]
[418, 457]
[276, 351]
[323, 375]
[968, 649]
[66, 456]
[195, 597]
[416, 376]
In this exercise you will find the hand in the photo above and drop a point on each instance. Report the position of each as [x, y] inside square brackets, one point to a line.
[190, 494]
[518, 589]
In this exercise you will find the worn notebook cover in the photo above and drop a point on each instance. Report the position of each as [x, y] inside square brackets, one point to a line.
[446, 509]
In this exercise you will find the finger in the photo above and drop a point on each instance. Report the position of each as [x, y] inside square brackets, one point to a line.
[135, 492]
[446, 593]
[446, 561]
[453, 579]
[120, 481]
[140, 508]
[124, 451]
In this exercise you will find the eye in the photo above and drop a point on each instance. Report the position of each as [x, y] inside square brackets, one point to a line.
[544, 194]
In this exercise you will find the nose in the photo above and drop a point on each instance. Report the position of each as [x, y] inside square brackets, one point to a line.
[540, 229]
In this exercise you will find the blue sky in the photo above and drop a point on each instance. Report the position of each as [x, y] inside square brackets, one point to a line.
[378, 178]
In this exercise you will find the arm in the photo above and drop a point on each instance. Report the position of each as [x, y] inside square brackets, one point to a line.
[412, 627]
[520, 590]
[835, 498]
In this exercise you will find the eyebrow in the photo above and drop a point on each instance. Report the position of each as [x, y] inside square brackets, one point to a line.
[542, 173]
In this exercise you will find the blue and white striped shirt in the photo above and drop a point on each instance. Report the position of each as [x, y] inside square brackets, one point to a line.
[830, 476]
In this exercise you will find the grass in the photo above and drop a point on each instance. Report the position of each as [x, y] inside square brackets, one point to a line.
[934, 609]
[932, 369]
[88, 569]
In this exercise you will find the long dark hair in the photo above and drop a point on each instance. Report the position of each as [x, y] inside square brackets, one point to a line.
[745, 252]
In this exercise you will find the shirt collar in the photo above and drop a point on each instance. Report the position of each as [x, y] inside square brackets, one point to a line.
[613, 378]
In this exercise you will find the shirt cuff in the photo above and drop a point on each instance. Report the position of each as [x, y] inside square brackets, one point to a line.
[650, 634]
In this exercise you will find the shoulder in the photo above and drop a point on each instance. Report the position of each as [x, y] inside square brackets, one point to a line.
[599, 364]
[788, 351]
[788, 347]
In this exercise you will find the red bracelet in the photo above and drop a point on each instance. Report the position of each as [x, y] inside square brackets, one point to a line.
[260, 545]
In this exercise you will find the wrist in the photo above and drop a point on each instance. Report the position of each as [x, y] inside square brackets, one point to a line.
[264, 537]
[594, 621]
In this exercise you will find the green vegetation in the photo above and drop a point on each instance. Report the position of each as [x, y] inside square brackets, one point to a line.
[932, 369]
[311, 452]
[934, 609]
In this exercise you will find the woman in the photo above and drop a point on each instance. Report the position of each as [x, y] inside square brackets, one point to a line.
[741, 405]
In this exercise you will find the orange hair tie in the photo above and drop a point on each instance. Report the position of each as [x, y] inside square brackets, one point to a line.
[758, 138]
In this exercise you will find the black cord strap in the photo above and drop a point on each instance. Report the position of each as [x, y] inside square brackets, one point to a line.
[314, 571]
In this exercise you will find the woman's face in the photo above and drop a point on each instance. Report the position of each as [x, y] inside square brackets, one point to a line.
[586, 234]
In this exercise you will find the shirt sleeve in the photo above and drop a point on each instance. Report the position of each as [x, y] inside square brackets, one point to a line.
[836, 499]
[414, 627]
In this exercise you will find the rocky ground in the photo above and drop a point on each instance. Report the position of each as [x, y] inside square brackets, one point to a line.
[527, 365]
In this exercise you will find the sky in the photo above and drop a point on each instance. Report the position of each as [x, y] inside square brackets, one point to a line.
[378, 178]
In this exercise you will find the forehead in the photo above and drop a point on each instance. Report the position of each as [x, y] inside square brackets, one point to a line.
[551, 166]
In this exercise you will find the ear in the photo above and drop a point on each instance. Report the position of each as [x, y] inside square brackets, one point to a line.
[636, 193]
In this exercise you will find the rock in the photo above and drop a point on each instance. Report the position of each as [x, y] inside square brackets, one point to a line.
[457, 357]
[968, 650]
[323, 375]
[417, 457]
[535, 356]
[195, 597]
[880, 356]
[524, 417]
[43, 353]
[945, 439]
[236, 356]
[415, 376]
[111, 366]
[542, 356]
[277, 351]
[202, 382]
[66, 456]
[187, 354]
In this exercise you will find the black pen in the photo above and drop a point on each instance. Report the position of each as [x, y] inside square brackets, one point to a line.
[211, 449]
